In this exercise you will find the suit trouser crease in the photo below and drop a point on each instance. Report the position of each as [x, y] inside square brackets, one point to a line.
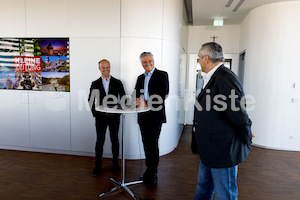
[101, 125]
[150, 135]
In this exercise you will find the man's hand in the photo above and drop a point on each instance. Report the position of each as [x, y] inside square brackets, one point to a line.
[140, 102]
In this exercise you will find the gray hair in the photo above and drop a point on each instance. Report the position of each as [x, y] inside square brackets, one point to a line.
[146, 54]
[213, 50]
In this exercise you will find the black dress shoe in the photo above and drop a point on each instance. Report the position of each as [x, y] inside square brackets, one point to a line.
[150, 178]
[97, 171]
[154, 179]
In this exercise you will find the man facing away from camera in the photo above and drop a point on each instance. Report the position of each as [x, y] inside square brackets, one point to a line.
[222, 127]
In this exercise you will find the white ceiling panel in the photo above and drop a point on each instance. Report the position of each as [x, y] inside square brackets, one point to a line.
[204, 11]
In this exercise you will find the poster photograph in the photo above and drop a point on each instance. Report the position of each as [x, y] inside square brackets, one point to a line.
[28, 80]
[40, 64]
[54, 47]
[7, 79]
[53, 81]
[55, 64]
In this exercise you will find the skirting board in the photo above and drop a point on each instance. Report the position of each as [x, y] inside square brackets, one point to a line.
[274, 148]
[79, 153]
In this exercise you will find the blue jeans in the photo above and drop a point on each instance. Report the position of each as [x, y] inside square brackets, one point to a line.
[219, 180]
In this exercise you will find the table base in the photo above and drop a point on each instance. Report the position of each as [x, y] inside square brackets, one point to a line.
[123, 186]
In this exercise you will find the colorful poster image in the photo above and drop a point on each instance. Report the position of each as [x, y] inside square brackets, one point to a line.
[55, 63]
[55, 47]
[53, 81]
[40, 64]
[25, 80]
[7, 79]
[11, 47]
[27, 64]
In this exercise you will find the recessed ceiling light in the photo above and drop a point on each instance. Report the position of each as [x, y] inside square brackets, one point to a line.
[229, 3]
[238, 5]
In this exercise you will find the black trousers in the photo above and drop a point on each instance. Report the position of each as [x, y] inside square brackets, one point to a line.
[102, 121]
[150, 134]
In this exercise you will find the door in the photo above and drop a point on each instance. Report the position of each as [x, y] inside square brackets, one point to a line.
[242, 67]
[190, 96]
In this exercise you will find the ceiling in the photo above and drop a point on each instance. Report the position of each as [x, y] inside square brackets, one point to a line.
[202, 12]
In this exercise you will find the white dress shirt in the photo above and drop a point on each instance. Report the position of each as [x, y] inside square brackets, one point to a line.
[105, 84]
[146, 83]
[207, 76]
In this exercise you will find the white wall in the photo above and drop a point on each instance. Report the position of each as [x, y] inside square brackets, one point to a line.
[270, 36]
[118, 30]
[162, 37]
[228, 36]
[14, 118]
[85, 54]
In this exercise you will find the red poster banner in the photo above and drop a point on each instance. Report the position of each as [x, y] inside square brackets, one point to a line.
[27, 64]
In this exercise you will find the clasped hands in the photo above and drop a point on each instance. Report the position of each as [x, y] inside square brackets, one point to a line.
[140, 102]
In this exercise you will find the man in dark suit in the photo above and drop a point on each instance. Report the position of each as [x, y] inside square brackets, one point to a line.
[100, 88]
[222, 127]
[152, 88]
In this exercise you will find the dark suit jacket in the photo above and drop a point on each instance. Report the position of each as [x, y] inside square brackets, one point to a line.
[223, 137]
[158, 85]
[97, 93]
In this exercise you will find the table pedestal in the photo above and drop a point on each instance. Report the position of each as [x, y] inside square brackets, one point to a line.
[122, 184]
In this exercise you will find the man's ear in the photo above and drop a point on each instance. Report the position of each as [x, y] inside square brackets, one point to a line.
[206, 58]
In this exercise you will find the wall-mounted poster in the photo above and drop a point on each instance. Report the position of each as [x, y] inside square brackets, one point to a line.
[40, 64]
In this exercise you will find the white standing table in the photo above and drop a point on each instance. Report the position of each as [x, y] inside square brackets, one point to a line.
[122, 184]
